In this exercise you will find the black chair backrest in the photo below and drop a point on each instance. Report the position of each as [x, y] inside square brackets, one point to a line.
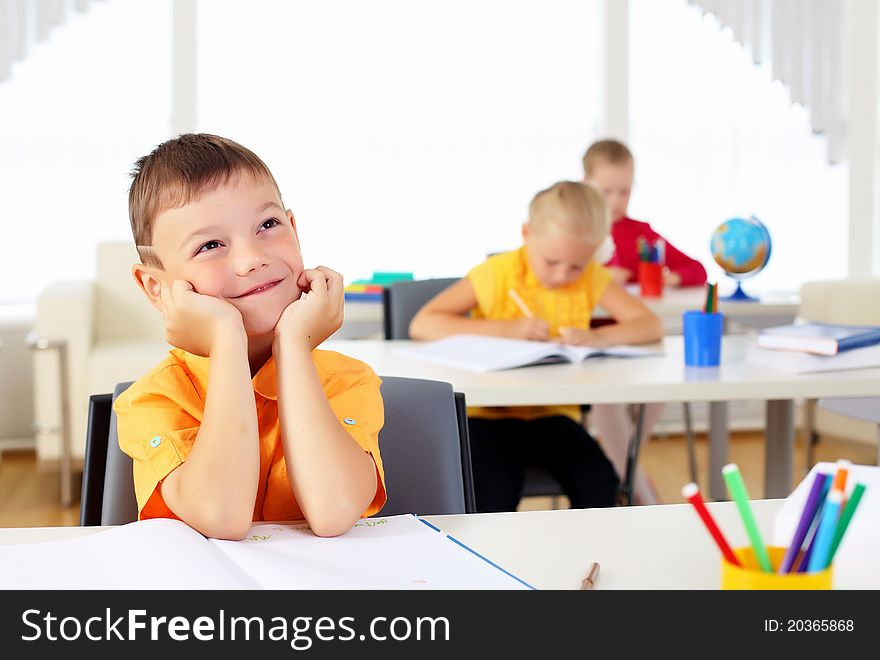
[424, 446]
[401, 301]
[94, 465]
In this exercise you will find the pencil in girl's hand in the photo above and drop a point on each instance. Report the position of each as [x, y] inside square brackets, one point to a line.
[691, 493]
[514, 296]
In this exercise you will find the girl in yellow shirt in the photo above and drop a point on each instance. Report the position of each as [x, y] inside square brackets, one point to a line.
[545, 290]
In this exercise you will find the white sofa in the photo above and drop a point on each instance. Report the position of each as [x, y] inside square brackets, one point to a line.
[849, 302]
[112, 334]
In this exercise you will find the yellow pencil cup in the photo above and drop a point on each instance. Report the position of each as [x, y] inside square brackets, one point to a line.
[750, 576]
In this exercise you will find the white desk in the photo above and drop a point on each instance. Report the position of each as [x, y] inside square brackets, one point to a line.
[650, 547]
[662, 379]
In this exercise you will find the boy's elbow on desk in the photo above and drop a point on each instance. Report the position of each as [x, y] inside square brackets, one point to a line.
[218, 524]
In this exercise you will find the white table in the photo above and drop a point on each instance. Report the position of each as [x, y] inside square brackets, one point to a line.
[663, 379]
[649, 547]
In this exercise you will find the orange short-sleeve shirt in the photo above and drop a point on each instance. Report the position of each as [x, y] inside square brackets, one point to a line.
[569, 306]
[159, 416]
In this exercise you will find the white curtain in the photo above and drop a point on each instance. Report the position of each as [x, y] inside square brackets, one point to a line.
[802, 42]
[714, 136]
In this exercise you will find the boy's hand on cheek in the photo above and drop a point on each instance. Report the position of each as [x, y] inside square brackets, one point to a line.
[194, 321]
[319, 311]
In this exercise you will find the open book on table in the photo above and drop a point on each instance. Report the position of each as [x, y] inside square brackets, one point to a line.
[396, 552]
[482, 353]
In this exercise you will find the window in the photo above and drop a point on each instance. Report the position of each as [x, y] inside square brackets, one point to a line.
[404, 136]
[714, 138]
[76, 113]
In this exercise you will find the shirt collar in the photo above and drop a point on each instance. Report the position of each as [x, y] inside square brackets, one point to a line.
[264, 382]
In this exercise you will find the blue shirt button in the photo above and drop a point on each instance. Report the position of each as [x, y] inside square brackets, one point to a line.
[154, 442]
[349, 421]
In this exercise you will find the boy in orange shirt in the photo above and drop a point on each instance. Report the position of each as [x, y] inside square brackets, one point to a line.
[555, 274]
[244, 420]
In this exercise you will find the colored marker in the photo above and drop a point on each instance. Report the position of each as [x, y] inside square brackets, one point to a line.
[845, 518]
[691, 493]
[737, 489]
[811, 535]
[825, 533]
[814, 501]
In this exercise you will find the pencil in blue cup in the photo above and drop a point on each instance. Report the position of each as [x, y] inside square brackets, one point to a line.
[737, 489]
[811, 508]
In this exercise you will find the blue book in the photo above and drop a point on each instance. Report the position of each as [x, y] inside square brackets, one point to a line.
[818, 338]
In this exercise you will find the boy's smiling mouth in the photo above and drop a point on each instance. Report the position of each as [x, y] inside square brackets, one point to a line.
[262, 288]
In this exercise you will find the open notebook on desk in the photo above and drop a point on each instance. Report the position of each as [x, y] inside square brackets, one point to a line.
[482, 353]
[396, 552]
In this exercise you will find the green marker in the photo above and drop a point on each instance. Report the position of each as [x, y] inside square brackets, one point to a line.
[737, 489]
[845, 517]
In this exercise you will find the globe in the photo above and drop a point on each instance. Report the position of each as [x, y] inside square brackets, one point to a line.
[741, 246]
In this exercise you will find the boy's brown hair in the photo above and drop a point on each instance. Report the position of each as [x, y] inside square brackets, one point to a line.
[610, 151]
[178, 172]
[570, 206]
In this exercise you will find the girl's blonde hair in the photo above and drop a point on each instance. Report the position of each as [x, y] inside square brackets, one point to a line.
[572, 207]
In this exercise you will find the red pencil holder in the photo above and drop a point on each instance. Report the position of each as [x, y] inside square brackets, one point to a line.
[650, 278]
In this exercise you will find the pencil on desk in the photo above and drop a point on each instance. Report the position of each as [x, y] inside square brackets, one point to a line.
[592, 575]
[514, 296]
[691, 493]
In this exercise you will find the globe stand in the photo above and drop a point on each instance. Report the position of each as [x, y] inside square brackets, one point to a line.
[739, 295]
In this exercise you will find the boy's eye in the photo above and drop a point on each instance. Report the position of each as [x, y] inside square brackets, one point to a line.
[268, 224]
[210, 245]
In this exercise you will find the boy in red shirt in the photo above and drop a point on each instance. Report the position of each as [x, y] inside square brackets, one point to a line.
[608, 165]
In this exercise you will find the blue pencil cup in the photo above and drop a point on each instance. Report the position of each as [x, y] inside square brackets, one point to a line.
[702, 338]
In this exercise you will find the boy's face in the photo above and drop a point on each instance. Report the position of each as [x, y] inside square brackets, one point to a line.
[236, 243]
[557, 258]
[614, 180]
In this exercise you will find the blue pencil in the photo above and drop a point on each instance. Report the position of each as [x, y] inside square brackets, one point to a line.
[814, 500]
